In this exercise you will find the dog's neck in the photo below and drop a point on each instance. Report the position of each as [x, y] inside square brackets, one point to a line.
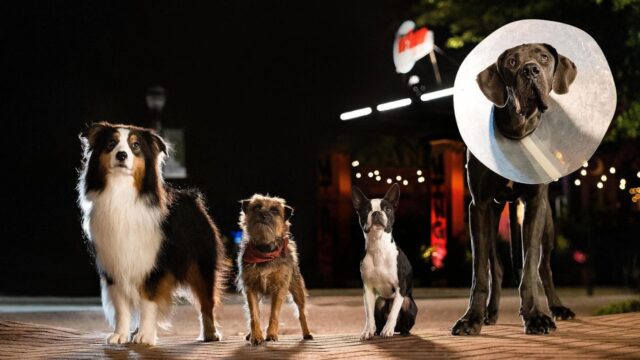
[507, 119]
[377, 238]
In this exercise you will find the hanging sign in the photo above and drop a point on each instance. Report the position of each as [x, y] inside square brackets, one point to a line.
[411, 45]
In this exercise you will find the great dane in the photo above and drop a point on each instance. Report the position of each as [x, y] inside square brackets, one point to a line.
[518, 85]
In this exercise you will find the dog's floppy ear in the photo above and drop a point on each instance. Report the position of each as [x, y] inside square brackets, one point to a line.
[492, 86]
[565, 74]
[159, 142]
[393, 195]
[288, 212]
[244, 204]
[92, 133]
[357, 197]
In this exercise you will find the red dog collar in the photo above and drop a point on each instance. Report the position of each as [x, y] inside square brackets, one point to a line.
[254, 256]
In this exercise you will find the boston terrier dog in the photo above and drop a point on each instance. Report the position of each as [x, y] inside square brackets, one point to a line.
[385, 270]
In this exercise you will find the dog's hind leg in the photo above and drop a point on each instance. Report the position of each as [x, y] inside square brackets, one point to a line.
[381, 313]
[407, 316]
[496, 268]
[203, 288]
[558, 310]
[299, 295]
[534, 305]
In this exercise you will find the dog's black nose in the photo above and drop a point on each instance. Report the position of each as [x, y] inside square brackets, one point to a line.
[531, 71]
[121, 156]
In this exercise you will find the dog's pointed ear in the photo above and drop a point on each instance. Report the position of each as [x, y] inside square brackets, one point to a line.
[288, 212]
[393, 195]
[244, 205]
[565, 73]
[492, 86]
[357, 197]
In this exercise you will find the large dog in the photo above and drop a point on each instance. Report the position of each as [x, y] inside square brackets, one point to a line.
[518, 85]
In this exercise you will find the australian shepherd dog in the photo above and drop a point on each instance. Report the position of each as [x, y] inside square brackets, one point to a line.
[149, 239]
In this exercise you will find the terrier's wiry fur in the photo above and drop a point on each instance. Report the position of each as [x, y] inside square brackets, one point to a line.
[265, 224]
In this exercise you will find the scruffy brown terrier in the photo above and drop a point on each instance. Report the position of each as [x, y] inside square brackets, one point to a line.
[268, 264]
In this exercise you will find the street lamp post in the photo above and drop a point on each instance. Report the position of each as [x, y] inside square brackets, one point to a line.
[156, 99]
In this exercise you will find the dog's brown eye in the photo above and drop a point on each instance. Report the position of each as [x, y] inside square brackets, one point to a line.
[257, 207]
[275, 210]
[135, 146]
[112, 143]
[512, 62]
[544, 57]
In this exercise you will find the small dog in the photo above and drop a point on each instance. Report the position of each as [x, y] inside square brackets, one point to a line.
[148, 239]
[518, 84]
[268, 264]
[386, 271]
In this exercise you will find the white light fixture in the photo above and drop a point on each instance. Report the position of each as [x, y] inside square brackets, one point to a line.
[623, 181]
[378, 178]
[419, 172]
[414, 79]
[600, 185]
[638, 174]
[603, 177]
[394, 104]
[622, 186]
[376, 172]
[585, 164]
[355, 163]
[436, 94]
[583, 172]
[421, 179]
[355, 114]
[370, 174]
[398, 177]
[389, 181]
[405, 182]
[612, 170]
[577, 182]
[358, 175]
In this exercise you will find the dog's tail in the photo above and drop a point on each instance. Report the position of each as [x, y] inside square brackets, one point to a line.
[516, 211]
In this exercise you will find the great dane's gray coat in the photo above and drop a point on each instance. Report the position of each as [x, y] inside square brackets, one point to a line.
[518, 84]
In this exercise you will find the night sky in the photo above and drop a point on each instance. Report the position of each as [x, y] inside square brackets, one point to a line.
[258, 87]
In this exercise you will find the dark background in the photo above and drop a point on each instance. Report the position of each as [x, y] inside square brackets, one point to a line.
[258, 86]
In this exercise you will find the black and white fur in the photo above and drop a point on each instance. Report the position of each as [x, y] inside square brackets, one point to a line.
[385, 270]
[148, 239]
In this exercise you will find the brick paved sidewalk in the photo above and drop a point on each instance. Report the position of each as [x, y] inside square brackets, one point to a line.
[589, 337]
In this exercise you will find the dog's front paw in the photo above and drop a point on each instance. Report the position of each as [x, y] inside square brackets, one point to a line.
[368, 333]
[214, 336]
[271, 337]
[467, 326]
[256, 339]
[307, 337]
[388, 330]
[117, 338]
[538, 324]
[144, 338]
[562, 313]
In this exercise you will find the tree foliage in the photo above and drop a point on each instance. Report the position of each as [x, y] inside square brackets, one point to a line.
[614, 24]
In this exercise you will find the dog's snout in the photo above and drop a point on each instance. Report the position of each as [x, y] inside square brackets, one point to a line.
[531, 71]
[121, 156]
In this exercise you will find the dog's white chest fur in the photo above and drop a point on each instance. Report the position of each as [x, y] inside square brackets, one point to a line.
[379, 267]
[126, 233]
